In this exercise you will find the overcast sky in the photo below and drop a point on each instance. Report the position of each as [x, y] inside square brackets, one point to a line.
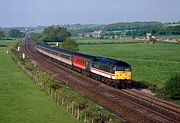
[53, 12]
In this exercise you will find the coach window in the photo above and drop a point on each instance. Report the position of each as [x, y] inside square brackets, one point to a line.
[78, 60]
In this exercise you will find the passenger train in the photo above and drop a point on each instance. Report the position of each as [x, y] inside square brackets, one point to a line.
[110, 71]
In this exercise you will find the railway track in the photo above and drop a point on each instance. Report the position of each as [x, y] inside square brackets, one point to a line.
[166, 107]
[131, 105]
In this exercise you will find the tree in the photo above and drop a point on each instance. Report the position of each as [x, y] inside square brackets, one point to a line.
[63, 33]
[52, 34]
[2, 35]
[70, 45]
[37, 37]
[15, 33]
[172, 87]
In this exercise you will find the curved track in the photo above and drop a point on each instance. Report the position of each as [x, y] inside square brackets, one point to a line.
[131, 105]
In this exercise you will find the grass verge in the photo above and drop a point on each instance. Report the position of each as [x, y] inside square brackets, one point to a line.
[21, 101]
[84, 109]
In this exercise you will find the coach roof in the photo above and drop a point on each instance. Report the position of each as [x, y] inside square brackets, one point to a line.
[69, 52]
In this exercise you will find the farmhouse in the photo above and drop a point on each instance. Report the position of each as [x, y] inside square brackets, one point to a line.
[96, 34]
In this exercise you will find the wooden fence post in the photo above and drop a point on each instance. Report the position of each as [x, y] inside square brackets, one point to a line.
[58, 98]
[62, 102]
[72, 108]
[78, 113]
[55, 95]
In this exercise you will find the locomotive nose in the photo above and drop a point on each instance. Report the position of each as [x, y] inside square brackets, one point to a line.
[123, 75]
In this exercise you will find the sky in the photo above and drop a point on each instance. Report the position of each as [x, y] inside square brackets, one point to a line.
[16, 13]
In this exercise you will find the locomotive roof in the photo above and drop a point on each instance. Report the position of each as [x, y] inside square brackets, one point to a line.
[69, 52]
[110, 62]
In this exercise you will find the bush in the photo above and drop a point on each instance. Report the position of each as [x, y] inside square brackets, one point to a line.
[172, 87]
[70, 45]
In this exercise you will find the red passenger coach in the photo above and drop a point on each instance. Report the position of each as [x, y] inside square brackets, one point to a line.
[80, 62]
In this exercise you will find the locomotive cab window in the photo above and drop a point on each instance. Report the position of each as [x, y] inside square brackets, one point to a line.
[123, 68]
[127, 68]
[112, 70]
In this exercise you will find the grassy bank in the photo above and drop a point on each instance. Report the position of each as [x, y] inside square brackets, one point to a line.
[21, 101]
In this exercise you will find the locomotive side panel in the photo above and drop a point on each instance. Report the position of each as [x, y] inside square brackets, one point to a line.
[102, 70]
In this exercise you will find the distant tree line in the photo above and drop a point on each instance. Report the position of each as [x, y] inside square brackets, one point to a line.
[159, 30]
[15, 33]
[53, 34]
[122, 26]
[12, 33]
[129, 28]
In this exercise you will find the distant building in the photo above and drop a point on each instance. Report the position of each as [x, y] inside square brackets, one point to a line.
[96, 34]
[86, 35]
[148, 35]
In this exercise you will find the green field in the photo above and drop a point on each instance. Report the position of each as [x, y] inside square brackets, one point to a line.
[150, 63]
[100, 41]
[8, 43]
[21, 101]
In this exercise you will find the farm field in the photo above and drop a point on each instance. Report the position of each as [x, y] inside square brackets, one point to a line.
[9, 43]
[21, 101]
[150, 63]
[100, 41]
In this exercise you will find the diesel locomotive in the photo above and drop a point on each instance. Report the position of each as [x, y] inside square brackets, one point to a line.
[110, 71]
